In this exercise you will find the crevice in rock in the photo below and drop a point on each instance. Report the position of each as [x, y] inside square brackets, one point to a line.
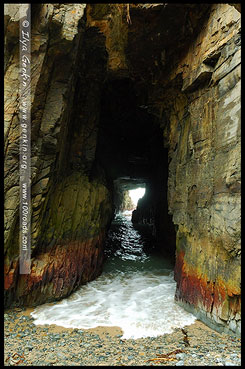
[117, 104]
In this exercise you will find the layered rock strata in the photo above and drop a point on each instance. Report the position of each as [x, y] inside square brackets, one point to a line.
[198, 106]
[183, 63]
[71, 205]
[194, 93]
[204, 172]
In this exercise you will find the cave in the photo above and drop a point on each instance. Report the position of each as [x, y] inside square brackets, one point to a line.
[123, 96]
[131, 151]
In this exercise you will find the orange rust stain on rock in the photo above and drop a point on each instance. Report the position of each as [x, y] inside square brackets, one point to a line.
[62, 267]
[196, 289]
[8, 280]
[10, 274]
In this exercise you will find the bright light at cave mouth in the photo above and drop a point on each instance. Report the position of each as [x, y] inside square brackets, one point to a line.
[136, 194]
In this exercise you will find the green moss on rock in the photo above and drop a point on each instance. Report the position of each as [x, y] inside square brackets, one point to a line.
[77, 210]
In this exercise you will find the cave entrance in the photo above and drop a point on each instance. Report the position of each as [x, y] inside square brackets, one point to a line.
[136, 194]
[136, 288]
[127, 193]
[130, 149]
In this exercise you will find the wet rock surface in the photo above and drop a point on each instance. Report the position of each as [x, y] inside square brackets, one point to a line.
[92, 62]
[63, 188]
[203, 185]
[27, 344]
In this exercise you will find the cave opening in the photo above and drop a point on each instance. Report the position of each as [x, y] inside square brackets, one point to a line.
[131, 150]
[137, 280]
[136, 194]
[125, 96]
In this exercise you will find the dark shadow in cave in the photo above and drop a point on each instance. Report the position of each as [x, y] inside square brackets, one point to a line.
[130, 149]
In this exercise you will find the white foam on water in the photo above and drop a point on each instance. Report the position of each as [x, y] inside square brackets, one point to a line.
[140, 302]
[135, 292]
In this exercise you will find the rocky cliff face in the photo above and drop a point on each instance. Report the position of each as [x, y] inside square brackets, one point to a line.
[204, 172]
[71, 204]
[103, 76]
[199, 108]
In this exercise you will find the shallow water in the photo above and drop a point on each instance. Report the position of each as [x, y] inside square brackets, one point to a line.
[135, 291]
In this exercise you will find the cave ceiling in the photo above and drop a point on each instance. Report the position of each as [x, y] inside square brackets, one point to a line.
[129, 136]
[130, 139]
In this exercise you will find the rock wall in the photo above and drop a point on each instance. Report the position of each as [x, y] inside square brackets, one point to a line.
[196, 99]
[204, 172]
[193, 90]
[183, 61]
[126, 203]
[71, 204]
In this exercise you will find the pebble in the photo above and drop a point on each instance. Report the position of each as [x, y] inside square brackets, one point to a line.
[44, 346]
[29, 347]
[180, 363]
[180, 356]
